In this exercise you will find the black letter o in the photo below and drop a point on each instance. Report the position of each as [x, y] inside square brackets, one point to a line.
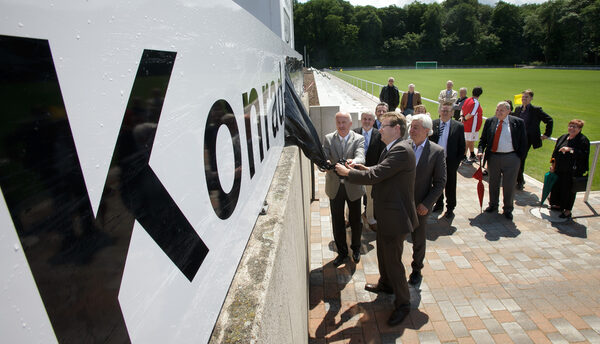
[223, 203]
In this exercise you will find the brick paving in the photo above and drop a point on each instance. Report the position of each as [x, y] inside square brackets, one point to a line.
[486, 279]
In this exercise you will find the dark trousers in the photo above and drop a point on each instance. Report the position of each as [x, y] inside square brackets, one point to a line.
[520, 178]
[561, 194]
[419, 239]
[450, 189]
[338, 221]
[503, 168]
[391, 269]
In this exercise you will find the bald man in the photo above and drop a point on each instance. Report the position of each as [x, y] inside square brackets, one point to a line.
[344, 144]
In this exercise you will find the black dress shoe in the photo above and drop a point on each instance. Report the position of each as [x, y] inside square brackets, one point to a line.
[437, 208]
[339, 260]
[520, 186]
[378, 288]
[415, 278]
[565, 216]
[356, 257]
[449, 214]
[508, 215]
[491, 209]
[398, 315]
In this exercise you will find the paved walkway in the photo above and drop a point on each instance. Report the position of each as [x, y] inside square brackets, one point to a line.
[486, 279]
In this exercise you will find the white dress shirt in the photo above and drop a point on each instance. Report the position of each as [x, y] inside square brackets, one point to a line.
[418, 151]
[443, 140]
[505, 143]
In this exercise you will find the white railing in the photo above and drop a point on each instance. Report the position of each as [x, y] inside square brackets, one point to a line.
[363, 85]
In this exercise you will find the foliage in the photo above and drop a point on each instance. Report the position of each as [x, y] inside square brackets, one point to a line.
[454, 32]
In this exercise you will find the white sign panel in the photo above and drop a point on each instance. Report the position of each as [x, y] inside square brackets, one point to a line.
[138, 140]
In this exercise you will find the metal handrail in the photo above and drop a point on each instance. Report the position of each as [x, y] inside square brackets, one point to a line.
[366, 82]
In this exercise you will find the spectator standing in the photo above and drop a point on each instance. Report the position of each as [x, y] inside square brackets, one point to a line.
[393, 196]
[571, 156]
[448, 94]
[472, 119]
[430, 180]
[347, 145]
[390, 95]
[409, 100]
[458, 104]
[504, 142]
[532, 115]
[380, 109]
[449, 134]
[373, 148]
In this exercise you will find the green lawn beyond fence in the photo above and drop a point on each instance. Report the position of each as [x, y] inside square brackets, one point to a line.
[563, 94]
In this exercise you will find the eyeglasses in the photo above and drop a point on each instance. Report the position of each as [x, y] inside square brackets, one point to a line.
[388, 125]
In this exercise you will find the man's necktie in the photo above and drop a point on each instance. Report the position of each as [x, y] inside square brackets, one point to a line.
[366, 141]
[442, 127]
[497, 137]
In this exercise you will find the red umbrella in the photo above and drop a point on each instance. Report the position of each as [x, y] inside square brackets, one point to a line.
[480, 189]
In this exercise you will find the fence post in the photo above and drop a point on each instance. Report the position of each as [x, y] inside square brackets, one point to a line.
[591, 174]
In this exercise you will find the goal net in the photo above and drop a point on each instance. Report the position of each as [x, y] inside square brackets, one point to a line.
[426, 65]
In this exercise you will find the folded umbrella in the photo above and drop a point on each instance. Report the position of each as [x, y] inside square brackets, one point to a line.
[480, 188]
[550, 179]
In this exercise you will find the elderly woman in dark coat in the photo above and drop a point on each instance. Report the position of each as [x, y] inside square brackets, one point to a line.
[571, 156]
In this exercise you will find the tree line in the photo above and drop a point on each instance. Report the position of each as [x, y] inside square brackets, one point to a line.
[455, 32]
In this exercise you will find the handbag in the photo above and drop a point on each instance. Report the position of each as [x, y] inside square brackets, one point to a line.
[579, 184]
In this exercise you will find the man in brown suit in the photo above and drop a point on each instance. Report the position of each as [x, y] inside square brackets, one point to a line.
[393, 198]
[409, 100]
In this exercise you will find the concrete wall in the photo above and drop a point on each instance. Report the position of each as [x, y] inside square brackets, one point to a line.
[323, 118]
[268, 298]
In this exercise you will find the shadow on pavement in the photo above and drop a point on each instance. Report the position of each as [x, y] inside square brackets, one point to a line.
[495, 226]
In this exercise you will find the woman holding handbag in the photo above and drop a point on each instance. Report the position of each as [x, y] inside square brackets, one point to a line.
[571, 156]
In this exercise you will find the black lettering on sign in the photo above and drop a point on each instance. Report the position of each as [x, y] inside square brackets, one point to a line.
[249, 103]
[223, 202]
[77, 260]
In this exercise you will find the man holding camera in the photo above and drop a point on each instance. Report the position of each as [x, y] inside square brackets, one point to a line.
[349, 146]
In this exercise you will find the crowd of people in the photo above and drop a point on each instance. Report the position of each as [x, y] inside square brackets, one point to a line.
[402, 164]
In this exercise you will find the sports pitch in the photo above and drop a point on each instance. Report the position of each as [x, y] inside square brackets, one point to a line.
[563, 94]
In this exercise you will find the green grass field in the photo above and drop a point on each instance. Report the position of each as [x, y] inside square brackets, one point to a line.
[563, 94]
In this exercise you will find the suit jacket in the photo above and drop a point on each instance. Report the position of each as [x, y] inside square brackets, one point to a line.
[443, 97]
[532, 125]
[393, 189]
[517, 133]
[430, 178]
[376, 146]
[355, 150]
[390, 96]
[577, 163]
[455, 148]
[404, 101]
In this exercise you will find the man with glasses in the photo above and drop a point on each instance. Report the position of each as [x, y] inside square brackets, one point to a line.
[393, 181]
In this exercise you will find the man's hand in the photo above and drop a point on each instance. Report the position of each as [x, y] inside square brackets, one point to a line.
[359, 167]
[544, 137]
[341, 170]
[566, 150]
[422, 210]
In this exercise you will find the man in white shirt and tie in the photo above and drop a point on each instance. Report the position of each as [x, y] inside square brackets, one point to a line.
[449, 134]
[504, 142]
[373, 148]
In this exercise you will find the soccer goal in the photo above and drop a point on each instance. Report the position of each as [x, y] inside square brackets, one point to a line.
[426, 65]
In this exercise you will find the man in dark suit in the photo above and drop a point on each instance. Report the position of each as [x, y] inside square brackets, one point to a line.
[380, 109]
[504, 143]
[430, 180]
[373, 148]
[393, 197]
[449, 134]
[390, 95]
[347, 145]
[532, 115]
